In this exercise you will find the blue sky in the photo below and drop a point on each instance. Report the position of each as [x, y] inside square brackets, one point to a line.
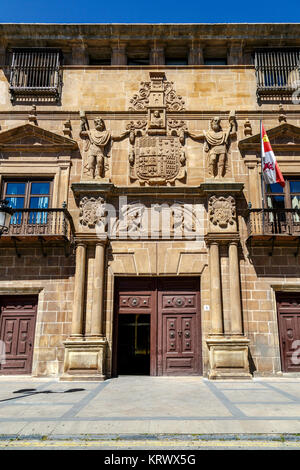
[151, 11]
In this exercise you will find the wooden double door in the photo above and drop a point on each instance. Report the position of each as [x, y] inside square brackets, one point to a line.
[288, 308]
[17, 328]
[157, 326]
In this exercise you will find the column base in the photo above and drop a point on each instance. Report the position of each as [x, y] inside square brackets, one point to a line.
[228, 357]
[84, 359]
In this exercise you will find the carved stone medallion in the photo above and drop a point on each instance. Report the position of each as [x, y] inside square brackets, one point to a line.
[92, 211]
[221, 211]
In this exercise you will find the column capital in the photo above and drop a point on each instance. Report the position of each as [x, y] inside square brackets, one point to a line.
[222, 238]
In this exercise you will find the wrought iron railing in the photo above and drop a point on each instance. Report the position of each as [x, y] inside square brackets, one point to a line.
[55, 223]
[274, 222]
[35, 75]
[277, 72]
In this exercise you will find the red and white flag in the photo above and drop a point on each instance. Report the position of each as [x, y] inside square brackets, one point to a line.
[271, 171]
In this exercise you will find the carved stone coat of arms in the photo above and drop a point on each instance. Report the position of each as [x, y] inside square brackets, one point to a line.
[157, 154]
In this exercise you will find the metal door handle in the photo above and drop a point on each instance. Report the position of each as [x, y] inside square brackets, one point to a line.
[179, 333]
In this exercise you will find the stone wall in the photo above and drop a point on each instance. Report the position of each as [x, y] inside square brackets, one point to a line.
[51, 278]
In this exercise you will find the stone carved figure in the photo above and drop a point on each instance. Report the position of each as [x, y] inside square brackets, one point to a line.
[97, 141]
[221, 211]
[216, 143]
[156, 121]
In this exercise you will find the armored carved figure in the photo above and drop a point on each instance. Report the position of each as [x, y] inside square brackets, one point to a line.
[97, 141]
[216, 142]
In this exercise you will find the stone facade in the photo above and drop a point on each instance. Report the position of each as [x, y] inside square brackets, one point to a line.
[150, 189]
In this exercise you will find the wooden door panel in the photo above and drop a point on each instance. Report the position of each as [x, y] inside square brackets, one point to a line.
[174, 308]
[17, 327]
[179, 356]
[288, 307]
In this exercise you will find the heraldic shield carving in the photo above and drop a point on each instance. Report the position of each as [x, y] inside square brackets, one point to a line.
[157, 144]
[158, 160]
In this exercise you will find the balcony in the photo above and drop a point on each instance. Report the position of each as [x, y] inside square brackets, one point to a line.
[277, 74]
[42, 225]
[35, 76]
[270, 225]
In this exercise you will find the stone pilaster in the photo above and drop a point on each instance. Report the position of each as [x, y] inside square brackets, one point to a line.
[228, 354]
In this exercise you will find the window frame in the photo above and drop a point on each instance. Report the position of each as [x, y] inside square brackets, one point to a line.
[286, 193]
[28, 183]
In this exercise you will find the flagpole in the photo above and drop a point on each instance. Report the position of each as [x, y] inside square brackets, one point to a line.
[262, 178]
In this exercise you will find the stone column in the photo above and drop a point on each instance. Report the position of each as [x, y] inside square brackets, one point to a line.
[157, 55]
[196, 55]
[235, 54]
[119, 56]
[215, 290]
[97, 312]
[79, 289]
[79, 54]
[235, 295]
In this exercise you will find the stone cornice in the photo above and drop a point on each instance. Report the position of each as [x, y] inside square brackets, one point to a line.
[124, 32]
[109, 189]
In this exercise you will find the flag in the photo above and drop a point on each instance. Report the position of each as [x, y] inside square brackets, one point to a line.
[271, 171]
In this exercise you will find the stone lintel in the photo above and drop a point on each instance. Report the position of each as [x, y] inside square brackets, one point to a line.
[223, 186]
[228, 357]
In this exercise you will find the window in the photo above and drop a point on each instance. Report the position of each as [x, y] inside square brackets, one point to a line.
[279, 199]
[176, 61]
[35, 75]
[138, 61]
[28, 194]
[215, 61]
[277, 72]
[101, 61]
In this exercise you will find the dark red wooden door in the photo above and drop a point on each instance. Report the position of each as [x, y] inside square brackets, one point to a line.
[288, 307]
[178, 327]
[17, 327]
[173, 305]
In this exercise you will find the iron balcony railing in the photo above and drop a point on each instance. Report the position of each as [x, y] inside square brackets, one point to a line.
[35, 75]
[274, 222]
[50, 223]
[277, 72]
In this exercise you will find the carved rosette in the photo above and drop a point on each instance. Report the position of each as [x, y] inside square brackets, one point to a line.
[222, 212]
[92, 212]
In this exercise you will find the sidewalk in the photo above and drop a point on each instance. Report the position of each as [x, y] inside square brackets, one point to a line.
[148, 406]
